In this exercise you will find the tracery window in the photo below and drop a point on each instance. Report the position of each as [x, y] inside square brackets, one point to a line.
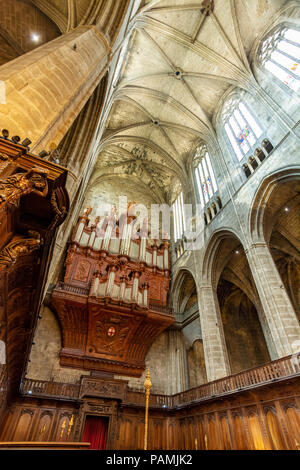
[280, 55]
[205, 179]
[241, 127]
[179, 218]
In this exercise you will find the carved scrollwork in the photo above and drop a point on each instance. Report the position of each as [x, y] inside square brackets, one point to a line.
[289, 404]
[46, 413]
[268, 408]
[100, 409]
[20, 247]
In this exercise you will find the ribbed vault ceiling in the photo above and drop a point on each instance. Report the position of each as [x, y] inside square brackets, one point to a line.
[68, 14]
[181, 58]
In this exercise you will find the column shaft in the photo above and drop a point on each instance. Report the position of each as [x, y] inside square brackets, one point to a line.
[215, 351]
[283, 323]
[47, 87]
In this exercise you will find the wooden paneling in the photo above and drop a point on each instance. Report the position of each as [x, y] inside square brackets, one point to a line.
[262, 418]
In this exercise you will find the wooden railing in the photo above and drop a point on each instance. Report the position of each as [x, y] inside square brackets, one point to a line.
[262, 375]
[137, 397]
[276, 370]
[50, 389]
[72, 289]
[160, 308]
[156, 307]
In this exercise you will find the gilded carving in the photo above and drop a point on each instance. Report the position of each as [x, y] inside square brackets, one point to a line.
[4, 161]
[19, 247]
[18, 185]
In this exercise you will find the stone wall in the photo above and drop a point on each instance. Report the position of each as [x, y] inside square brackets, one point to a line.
[44, 357]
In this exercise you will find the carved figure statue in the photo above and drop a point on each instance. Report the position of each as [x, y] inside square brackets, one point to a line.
[19, 247]
[87, 211]
[16, 186]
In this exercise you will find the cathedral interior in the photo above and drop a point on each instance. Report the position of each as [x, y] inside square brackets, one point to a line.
[111, 112]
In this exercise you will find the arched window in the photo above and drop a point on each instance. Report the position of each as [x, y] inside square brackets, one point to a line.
[204, 175]
[242, 129]
[179, 218]
[280, 55]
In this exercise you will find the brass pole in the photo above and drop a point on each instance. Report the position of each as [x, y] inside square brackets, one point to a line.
[42, 431]
[70, 427]
[147, 385]
[62, 429]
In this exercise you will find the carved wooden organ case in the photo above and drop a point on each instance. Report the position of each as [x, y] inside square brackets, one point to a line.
[113, 301]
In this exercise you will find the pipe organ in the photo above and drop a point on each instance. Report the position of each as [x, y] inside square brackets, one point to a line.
[112, 303]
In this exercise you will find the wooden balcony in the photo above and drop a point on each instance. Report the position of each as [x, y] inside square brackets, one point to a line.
[58, 390]
[287, 367]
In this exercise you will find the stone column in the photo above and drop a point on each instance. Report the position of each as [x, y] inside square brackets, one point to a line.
[283, 323]
[175, 363]
[47, 87]
[215, 351]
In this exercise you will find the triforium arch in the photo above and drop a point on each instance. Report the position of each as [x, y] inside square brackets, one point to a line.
[186, 308]
[236, 301]
[209, 258]
[262, 211]
[182, 277]
[275, 220]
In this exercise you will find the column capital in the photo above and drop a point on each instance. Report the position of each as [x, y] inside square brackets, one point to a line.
[98, 33]
[207, 287]
[258, 244]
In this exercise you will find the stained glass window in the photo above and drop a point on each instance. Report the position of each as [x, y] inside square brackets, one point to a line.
[280, 55]
[241, 127]
[204, 174]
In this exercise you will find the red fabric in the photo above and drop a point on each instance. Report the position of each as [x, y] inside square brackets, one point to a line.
[95, 432]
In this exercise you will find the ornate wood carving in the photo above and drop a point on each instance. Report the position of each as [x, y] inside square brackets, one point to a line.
[103, 388]
[19, 247]
[33, 202]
